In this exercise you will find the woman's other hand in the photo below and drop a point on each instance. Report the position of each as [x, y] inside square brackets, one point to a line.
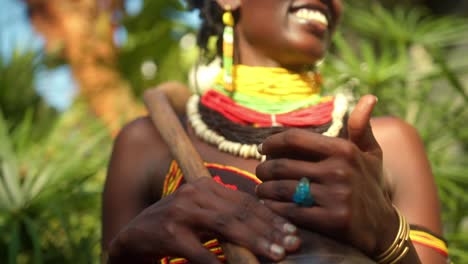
[177, 224]
[345, 181]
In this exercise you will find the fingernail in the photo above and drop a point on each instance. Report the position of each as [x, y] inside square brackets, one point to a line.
[259, 148]
[276, 250]
[256, 188]
[290, 241]
[289, 228]
[376, 99]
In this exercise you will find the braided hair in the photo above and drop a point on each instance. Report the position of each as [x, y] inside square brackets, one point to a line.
[211, 16]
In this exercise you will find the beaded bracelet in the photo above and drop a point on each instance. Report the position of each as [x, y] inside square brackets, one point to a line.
[399, 248]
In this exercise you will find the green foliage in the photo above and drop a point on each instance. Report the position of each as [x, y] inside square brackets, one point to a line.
[17, 88]
[154, 36]
[51, 173]
[411, 61]
[48, 202]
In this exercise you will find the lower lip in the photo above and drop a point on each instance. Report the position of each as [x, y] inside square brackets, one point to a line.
[314, 27]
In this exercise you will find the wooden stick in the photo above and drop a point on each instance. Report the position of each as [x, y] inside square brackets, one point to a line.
[187, 157]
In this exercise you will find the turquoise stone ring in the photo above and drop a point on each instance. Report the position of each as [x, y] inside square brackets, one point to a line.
[302, 196]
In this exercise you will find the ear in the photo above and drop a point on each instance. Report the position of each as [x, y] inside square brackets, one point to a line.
[231, 4]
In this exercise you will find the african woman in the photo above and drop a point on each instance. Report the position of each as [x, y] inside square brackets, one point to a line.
[286, 161]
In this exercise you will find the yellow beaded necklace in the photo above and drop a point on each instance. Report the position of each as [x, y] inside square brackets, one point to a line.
[272, 90]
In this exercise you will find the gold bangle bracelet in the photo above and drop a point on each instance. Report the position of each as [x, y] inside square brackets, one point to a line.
[399, 247]
[403, 254]
[392, 246]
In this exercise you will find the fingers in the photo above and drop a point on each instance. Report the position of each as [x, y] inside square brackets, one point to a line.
[253, 234]
[315, 217]
[250, 232]
[251, 205]
[241, 219]
[283, 191]
[244, 206]
[359, 129]
[290, 169]
[300, 144]
[305, 145]
[137, 245]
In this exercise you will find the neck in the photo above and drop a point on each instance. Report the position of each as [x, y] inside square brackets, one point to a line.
[246, 53]
[272, 90]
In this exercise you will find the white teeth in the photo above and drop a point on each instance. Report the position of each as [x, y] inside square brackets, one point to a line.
[311, 15]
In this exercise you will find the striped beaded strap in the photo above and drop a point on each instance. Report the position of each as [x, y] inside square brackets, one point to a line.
[429, 240]
[213, 246]
[173, 179]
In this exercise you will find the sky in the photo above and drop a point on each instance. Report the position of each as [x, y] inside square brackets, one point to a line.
[57, 85]
[16, 35]
[15, 31]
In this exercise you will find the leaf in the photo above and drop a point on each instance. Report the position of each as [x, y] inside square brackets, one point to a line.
[22, 134]
[14, 244]
[33, 232]
[11, 183]
[451, 77]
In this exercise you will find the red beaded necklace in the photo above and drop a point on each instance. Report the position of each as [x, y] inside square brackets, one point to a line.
[314, 115]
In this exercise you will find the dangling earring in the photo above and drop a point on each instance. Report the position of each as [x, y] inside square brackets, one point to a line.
[228, 48]
[316, 72]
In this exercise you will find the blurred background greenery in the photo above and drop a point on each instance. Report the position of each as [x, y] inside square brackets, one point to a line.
[411, 54]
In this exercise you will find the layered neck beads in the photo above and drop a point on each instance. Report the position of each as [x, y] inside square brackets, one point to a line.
[263, 98]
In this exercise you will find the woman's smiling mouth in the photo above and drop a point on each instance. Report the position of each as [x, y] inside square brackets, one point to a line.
[311, 15]
[311, 11]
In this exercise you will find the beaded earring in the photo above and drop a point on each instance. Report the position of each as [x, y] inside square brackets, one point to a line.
[228, 48]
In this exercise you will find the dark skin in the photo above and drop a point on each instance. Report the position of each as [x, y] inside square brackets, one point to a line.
[353, 182]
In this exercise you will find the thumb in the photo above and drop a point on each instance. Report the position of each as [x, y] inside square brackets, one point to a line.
[359, 128]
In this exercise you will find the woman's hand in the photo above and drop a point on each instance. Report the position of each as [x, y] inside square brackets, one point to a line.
[345, 181]
[176, 225]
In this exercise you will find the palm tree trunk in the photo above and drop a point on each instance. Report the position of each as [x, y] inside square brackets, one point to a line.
[81, 31]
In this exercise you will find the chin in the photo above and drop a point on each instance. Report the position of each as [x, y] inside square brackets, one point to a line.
[303, 54]
[305, 47]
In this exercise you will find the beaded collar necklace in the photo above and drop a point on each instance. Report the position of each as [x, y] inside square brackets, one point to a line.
[269, 88]
[250, 150]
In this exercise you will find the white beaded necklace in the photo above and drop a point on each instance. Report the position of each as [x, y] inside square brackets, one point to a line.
[247, 151]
